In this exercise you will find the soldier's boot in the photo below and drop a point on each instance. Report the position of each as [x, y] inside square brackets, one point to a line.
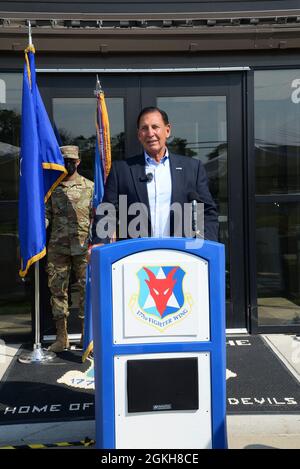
[62, 341]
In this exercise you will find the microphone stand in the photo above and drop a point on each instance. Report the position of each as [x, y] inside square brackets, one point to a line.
[194, 216]
[197, 233]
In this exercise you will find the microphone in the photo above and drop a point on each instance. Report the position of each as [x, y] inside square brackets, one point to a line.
[194, 197]
[148, 178]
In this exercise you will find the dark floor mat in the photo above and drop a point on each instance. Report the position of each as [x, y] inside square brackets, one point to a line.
[257, 381]
[59, 390]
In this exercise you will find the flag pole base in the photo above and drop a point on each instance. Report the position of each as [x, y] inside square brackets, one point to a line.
[38, 355]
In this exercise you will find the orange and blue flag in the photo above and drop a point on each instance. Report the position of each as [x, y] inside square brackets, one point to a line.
[102, 167]
[41, 168]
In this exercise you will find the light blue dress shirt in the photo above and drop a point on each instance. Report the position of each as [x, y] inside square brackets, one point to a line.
[159, 194]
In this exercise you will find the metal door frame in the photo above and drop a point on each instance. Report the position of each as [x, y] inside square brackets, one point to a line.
[233, 87]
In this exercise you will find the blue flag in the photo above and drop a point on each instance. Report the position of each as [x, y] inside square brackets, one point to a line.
[41, 168]
[101, 169]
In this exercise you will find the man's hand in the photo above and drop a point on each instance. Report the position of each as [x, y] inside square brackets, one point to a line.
[90, 250]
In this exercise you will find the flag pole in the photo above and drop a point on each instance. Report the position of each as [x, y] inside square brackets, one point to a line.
[38, 355]
[29, 34]
[98, 88]
[87, 338]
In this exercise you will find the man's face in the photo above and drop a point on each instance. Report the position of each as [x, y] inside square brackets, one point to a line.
[153, 134]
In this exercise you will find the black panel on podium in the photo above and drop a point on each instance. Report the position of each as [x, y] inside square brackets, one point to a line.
[162, 384]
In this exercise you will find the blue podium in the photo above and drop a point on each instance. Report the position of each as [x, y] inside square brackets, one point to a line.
[159, 344]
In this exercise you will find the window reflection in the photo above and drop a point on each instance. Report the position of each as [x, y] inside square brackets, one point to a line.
[278, 263]
[277, 144]
[199, 130]
[277, 131]
[75, 124]
[10, 125]
[14, 293]
[74, 120]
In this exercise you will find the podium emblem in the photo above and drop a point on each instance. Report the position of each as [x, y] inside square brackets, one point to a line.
[161, 300]
[161, 292]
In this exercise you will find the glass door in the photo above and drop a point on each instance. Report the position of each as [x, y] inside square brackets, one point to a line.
[15, 292]
[71, 104]
[206, 116]
[277, 165]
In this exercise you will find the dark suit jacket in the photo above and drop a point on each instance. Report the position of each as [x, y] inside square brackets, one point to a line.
[128, 177]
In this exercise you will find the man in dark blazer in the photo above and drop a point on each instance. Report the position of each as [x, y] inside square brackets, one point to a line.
[150, 184]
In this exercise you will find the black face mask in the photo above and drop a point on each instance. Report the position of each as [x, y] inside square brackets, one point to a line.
[70, 166]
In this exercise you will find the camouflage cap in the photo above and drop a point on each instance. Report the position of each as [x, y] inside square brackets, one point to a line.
[70, 151]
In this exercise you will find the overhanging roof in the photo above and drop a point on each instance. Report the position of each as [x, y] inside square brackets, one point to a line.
[146, 6]
[176, 32]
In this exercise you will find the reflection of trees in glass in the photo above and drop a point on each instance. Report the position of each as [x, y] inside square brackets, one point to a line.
[10, 124]
[216, 168]
[118, 146]
[87, 149]
[277, 167]
[65, 136]
[179, 145]
[217, 151]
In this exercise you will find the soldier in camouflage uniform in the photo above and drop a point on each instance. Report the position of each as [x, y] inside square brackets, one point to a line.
[68, 212]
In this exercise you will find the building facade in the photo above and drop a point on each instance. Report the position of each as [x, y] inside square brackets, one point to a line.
[228, 75]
